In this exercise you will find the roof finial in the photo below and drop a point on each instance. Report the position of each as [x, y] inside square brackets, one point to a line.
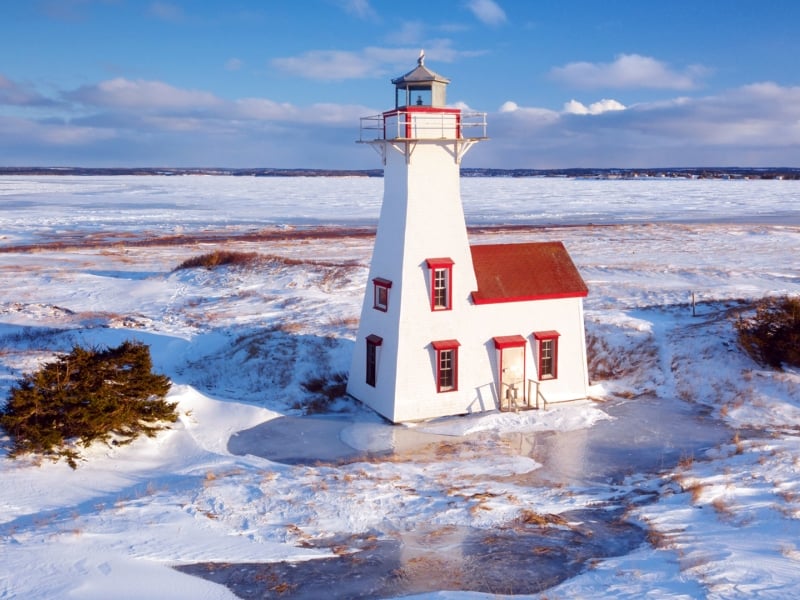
[421, 59]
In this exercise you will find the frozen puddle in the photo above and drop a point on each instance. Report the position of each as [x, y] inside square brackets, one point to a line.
[295, 441]
[645, 435]
[525, 559]
[314, 440]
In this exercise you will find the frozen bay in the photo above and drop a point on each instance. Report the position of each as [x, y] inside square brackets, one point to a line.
[40, 208]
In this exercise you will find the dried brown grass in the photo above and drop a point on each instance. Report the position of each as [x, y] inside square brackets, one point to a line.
[530, 517]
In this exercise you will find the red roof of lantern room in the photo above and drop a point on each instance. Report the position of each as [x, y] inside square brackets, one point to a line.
[530, 271]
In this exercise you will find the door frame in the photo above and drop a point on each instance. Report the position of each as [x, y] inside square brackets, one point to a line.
[508, 396]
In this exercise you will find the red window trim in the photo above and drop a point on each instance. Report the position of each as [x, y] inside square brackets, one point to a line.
[502, 342]
[439, 347]
[541, 336]
[435, 264]
[375, 340]
[380, 282]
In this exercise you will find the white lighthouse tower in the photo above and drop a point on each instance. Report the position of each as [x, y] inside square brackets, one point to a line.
[421, 265]
[424, 297]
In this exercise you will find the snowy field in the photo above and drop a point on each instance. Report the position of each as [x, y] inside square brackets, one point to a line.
[721, 520]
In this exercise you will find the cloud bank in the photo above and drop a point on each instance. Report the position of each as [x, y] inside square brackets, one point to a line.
[628, 71]
[150, 122]
[753, 125]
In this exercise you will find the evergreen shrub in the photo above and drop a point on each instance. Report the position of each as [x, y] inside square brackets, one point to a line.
[109, 395]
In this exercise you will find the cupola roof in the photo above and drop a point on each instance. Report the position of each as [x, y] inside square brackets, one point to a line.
[420, 75]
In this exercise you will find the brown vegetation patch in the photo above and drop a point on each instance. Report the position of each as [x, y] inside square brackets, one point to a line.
[78, 240]
[104, 239]
[332, 272]
[772, 335]
[530, 517]
[218, 258]
[324, 391]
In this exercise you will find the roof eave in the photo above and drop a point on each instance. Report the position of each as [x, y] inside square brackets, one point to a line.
[477, 299]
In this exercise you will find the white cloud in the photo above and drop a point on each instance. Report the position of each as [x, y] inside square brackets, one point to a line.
[68, 10]
[337, 65]
[358, 8]
[487, 11]
[628, 71]
[14, 94]
[754, 125]
[409, 32]
[762, 114]
[529, 115]
[28, 131]
[757, 124]
[166, 11]
[262, 108]
[126, 103]
[141, 94]
[578, 108]
[328, 65]
[233, 64]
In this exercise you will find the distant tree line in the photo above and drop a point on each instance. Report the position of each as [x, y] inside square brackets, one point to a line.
[585, 173]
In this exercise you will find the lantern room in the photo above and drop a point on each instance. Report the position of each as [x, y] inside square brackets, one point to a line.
[420, 87]
[420, 114]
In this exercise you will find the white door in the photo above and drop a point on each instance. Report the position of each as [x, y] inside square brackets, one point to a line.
[512, 378]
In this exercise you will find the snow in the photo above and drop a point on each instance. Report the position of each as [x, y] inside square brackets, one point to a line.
[562, 417]
[238, 343]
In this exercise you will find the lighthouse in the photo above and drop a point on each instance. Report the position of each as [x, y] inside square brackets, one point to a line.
[444, 327]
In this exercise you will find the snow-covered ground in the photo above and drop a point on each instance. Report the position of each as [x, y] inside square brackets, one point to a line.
[238, 343]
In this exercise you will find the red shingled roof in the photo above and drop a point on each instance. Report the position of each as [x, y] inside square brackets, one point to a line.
[531, 271]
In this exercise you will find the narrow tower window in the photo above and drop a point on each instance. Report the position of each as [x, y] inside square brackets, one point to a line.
[441, 274]
[373, 342]
[446, 365]
[547, 353]
[381, 293]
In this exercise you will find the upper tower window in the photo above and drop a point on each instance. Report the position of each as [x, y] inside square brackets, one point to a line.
[381, 293]
[441, 282]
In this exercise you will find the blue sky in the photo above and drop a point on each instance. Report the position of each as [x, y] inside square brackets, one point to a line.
[273, 83]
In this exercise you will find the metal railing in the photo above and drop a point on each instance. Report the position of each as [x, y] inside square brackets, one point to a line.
[423, 126]
[512, 400]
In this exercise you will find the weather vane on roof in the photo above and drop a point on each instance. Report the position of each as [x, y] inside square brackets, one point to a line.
[421, 59]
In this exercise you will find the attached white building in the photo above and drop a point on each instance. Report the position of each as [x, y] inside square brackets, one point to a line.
[447, 328]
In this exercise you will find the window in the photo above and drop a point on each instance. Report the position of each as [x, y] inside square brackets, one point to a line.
[373, 342]
[446, 365]
[547, 353]
[381, 293]
[441, 270]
